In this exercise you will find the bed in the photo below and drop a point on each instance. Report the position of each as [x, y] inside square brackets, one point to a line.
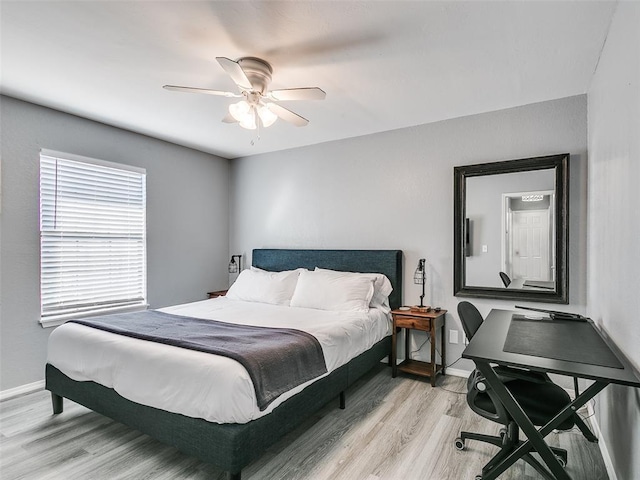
[232, 446]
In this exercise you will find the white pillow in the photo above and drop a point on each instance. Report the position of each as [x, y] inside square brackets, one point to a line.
[329, 290]
[260, 286]
[256, 269]
[381, 289]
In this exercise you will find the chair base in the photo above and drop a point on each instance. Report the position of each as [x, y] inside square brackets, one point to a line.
[508, 441]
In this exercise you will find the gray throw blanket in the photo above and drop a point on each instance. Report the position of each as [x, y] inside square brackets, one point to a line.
[277, 359]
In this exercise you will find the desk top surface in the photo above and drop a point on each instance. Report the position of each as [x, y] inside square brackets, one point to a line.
[488, 343]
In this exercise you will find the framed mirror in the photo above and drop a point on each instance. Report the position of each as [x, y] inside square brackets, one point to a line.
[511, 232]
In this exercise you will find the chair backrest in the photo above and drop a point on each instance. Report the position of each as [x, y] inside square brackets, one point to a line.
[470, 317]
[505, 279]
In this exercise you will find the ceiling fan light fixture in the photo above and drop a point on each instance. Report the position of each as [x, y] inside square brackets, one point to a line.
[267, 117]
[239, 110]
[249, 120]
[244, 113]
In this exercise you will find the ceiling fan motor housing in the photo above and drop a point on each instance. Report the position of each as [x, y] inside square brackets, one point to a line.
[257, 71]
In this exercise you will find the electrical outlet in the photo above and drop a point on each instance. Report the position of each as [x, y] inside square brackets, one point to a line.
[485, 248]
[453, 336]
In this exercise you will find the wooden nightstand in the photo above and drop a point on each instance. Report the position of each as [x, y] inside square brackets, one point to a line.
[427, 322]
[217, 293]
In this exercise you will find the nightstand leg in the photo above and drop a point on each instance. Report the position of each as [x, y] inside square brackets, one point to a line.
[443, 349]
[407, 351]
[433, 353]
[394, 353]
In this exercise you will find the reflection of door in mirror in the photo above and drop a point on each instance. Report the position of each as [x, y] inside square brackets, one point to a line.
[509, 231]
[528, 247]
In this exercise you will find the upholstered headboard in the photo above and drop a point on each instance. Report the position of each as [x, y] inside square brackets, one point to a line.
[388, 262]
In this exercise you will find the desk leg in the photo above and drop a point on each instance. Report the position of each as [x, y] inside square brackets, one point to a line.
[536, 439]
[580, 401]
[566, 412]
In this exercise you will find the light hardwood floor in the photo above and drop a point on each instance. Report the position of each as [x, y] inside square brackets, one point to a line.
[392, 429]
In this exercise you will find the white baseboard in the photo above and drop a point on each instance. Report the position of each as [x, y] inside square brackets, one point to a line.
[601, 443]
[456, 372]
[21, 390]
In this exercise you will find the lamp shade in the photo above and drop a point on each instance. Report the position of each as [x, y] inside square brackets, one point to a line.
[419, 278]
[239, 110]
[249, 121]
[267, 117]
[244, 113]
[234, 265]
[419, 274]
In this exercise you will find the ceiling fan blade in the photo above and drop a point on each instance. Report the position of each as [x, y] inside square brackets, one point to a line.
[307, 93]
[234, 70]
[177, 88]
[228, 118]
[287, 115]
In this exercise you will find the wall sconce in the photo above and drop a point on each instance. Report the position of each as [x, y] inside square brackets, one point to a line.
[235, 266]
[419, 278]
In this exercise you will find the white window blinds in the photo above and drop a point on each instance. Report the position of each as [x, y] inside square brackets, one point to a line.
[93, 237]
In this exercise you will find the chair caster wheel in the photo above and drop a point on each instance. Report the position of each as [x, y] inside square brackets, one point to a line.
[503, 432]
[459, 443]
[562, 461]
[478, 477]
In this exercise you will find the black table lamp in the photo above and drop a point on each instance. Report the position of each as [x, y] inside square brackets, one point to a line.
[419, 278]
[235, 266]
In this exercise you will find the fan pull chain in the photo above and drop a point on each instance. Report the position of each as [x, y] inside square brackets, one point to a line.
[258, 122]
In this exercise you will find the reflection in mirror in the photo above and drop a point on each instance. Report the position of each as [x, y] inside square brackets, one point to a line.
[511, 229]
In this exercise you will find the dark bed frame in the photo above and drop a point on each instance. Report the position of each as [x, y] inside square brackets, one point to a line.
[232, 447]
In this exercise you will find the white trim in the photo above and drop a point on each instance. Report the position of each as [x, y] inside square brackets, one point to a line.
[606, 457]
[21, 390]
[60, 319]
[456, 372]
[94, 161]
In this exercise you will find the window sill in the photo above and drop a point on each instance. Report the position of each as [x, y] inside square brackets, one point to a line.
[60, 319]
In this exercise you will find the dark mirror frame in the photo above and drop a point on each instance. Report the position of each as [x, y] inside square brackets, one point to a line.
[561, 165]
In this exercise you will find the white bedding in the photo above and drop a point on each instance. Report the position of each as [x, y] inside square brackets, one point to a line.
[198, 384]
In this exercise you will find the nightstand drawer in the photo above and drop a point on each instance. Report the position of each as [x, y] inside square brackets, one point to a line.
[414, 323]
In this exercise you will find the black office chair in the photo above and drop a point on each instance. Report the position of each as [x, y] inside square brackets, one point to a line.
[538, 396]
[505, 279]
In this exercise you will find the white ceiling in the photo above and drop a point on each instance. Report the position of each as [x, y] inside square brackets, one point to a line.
[384, 64]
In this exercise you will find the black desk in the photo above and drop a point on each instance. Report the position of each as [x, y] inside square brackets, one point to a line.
[486, 347]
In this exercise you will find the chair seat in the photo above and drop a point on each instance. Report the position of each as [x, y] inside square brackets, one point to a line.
[541, 402]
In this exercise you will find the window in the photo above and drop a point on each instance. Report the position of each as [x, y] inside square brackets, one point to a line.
[92, 237]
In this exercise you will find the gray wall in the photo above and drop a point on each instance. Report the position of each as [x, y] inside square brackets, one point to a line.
[187, 221]
[395, 190]
[614, 226]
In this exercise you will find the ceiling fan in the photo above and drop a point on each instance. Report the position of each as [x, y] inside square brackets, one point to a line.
[252, 76]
